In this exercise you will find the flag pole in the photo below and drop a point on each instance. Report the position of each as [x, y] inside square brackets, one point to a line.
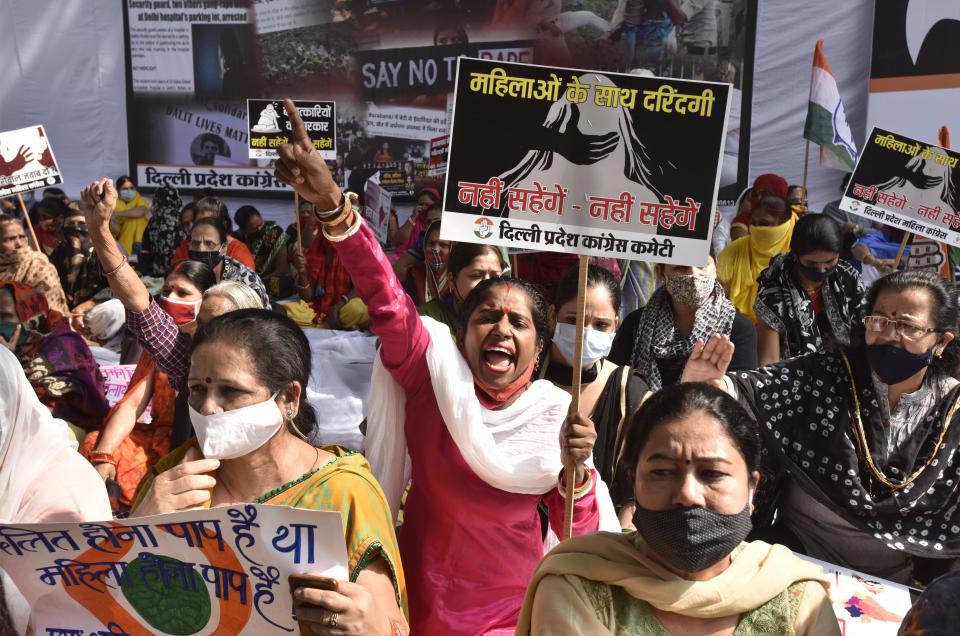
[806, 163]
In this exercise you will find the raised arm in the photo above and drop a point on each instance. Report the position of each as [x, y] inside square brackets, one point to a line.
[153, 327]
[393, 316]
[100, 199]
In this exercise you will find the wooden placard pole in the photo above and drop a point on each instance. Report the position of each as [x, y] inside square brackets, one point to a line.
[296, 218]
[570, 471]
[26, 217]
[903, 246]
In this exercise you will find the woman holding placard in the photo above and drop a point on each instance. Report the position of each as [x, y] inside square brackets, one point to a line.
[609, 393]
[484, 441]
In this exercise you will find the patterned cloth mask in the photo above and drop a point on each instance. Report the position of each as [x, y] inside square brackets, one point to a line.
[691, 290]
[691, 539]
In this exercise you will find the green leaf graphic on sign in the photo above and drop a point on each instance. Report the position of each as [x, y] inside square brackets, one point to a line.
[180, 605]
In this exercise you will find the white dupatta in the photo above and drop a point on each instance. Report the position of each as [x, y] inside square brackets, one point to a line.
[514, 449]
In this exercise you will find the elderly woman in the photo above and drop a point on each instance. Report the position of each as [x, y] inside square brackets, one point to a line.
[483, 439]
[740, 262]
[689, 305]
[861, 441]
[124, 449]
[42, 478]
[207, 245]
[19, 263]
[59, 364]
[214, 208]
[247, 398]
[693, 454]
[808, 298]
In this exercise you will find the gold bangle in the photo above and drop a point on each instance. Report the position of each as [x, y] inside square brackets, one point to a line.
[350, 199]
[331, 213]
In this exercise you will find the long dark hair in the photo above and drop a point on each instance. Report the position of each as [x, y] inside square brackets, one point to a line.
[196, 272]
[462, 254]
[944, 314]
[816, 232]
[278, 348]
[596, 277]
[677, 401]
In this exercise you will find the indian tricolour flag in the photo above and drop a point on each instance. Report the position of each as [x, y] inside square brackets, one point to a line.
[826, 121]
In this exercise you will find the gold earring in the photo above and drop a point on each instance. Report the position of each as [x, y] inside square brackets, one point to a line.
[938, 351]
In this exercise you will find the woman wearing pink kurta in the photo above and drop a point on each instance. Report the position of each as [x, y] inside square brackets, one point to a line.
[483, 441]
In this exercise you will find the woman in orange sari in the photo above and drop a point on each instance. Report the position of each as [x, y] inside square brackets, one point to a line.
[127, 447]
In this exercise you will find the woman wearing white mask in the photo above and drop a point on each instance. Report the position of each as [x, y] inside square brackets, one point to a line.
[609, 393]
[690, 304]
[247, 381]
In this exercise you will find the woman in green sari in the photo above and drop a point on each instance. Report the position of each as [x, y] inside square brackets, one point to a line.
[247, 381]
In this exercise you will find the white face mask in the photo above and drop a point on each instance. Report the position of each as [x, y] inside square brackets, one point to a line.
[596, 344]
[238, 432]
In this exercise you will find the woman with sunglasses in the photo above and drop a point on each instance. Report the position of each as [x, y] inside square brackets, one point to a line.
[862, 442]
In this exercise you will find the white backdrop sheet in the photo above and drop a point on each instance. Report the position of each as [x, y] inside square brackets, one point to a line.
[64, 68]
[786, 35]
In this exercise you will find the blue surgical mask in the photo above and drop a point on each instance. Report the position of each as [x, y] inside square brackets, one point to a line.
[596, 344]
[128, 195]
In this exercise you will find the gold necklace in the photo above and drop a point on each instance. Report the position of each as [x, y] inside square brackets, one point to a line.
[860, 437]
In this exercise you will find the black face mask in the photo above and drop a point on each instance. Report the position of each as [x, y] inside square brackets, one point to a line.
[210, 259]
[691, 539]
[893, 364]
[814, 275]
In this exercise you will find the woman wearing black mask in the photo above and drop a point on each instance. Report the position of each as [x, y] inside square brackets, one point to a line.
[208, 242]
[808, 298]
[693, 454]
[867, 435]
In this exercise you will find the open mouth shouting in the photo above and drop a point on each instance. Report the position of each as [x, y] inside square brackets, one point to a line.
[499, 359]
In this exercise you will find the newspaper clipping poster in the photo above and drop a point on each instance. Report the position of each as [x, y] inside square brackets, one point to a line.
[865, 605]
[603, 164]
[377, 202]
[270, 128]
[217, 571]
[907, 184]
[26, 161]
[439, 151]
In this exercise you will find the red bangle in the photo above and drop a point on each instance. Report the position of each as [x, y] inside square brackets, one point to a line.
[101, 457]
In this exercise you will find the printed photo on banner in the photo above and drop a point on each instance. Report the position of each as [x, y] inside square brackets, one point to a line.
[217, 571]
[567, 160]
[692, 39]
[865, 605]
[26, 161]
[439, 152]
[377, 203]
[270, 128]
[907, 184]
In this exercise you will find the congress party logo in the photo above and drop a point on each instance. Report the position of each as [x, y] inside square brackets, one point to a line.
[484, 228]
